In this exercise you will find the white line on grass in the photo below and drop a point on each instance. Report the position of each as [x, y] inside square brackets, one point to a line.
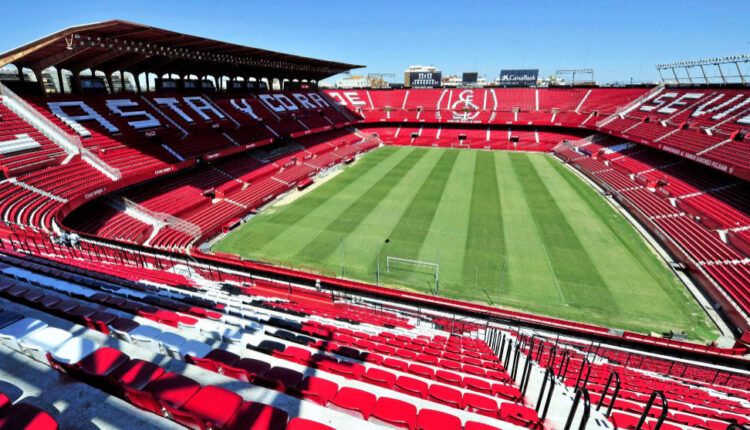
[554, 275]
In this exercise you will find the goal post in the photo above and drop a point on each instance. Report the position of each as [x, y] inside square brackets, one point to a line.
[413, 265]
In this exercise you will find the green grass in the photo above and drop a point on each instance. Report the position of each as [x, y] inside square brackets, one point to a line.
[512, 229]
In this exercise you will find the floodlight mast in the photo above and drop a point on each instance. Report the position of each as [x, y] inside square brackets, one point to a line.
[712, 62]
[589, 72]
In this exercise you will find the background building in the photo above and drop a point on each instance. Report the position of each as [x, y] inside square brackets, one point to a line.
[422, 77]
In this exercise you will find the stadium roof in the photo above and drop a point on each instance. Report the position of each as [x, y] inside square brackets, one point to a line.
[120, 45]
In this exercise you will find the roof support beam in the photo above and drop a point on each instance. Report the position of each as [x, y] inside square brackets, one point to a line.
[60, 57]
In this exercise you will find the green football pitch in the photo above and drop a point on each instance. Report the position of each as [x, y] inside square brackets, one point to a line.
[517, 230]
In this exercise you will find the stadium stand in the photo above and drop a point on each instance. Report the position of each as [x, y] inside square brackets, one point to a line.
[107, 196]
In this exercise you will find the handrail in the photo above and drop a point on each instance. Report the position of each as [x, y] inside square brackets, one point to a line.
[501, 344]
[509, 351]
[562, 371]
[551, 357]
[171, 220]
[112, 172]
[516, 357]
[587, 364]
[530, 343]
[525, 375]
[647, 409]
[614, 394]
[70, 143]
[539, 351]
[573, 409]
[548, 377]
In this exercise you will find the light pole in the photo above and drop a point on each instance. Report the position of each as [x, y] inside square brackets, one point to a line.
[377, 274]
[502, 279]
[341, 246]
[437, 275]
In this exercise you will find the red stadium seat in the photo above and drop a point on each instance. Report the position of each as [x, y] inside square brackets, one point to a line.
[295, 354]
[520, 415]
[482, 405]
[449, 378]
[257, 416]
[354, 402]
[23, 416]
[428, 419]
[625, 421]
[477, 385]
[423, 371]
[394, 413]
[316, 389]
[170, 389]
[507, 392]
[411, 386]
[444, 395]
[347, 369]
[136, 374]
[303, 424]
[379, 377]
[473, 425]
[279, 379]
[210, 407]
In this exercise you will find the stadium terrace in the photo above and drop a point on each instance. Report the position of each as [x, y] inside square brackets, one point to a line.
[193, 234]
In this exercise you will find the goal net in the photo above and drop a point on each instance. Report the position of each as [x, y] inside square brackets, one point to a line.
[404, 267]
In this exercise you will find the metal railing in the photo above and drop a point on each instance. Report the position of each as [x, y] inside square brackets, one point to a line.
[172, 221]
[70, 143]
[582, 393]
[632, 105]
[616, 377]
[100, 165]
[647, 410]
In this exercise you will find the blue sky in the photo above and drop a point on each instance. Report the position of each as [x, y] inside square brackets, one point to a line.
[618, 39]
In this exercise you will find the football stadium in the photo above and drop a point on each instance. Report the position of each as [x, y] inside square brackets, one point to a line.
[200, 234]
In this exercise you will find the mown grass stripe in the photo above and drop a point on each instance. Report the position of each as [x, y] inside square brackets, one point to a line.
[581, 284]
[528, 279]
[327, 240]
[485, 248]
[412, 228]
[361, 244]
[448, 231]
[288, 216]
[265, 237]
[627, 281]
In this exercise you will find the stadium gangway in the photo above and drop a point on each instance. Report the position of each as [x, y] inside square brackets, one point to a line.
[513, 354]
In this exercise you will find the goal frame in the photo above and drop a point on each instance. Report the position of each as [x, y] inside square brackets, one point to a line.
[390, 258]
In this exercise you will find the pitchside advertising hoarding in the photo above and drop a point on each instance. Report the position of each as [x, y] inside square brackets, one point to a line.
[425, 79]
[518, 77]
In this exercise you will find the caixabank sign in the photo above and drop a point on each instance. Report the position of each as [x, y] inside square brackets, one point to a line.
[518, 77]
